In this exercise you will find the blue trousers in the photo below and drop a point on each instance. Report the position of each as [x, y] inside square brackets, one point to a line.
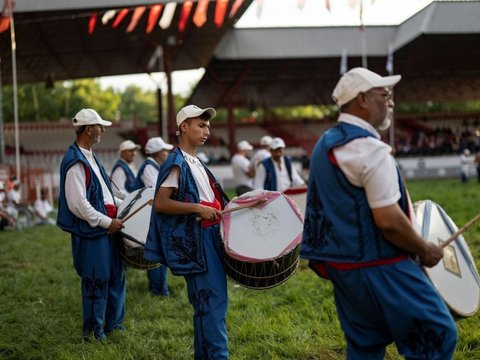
[397, 302]
[207, 292]
[157, 281]
[97, 262]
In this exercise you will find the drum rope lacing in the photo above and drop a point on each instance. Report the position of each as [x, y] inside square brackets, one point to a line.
[129, 206]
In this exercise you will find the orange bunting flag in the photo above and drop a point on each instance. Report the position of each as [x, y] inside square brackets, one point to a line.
[236, 5]
[327, 4]
[4, 23]
[120, 16]
[153, 17]
[220, 11]
[137, 14]
[91, 23]
[184, 15]
[200, 16]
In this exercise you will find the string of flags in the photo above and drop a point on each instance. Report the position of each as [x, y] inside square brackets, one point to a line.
[162, 14]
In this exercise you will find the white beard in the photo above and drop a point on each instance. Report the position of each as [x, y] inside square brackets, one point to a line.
[385, 124]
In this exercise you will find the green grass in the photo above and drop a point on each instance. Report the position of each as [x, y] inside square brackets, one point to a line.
[40, 310]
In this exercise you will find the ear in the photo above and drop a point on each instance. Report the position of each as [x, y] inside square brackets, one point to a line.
[362, 100]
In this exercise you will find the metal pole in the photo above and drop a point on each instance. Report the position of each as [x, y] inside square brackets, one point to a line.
[15, 97]
[2, 137]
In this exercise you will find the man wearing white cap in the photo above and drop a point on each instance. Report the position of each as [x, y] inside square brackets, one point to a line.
[87, 210]
[242, 173]
[157, 151]
[358, 232]
[277, 173]
[123, 172]
[262, 153]
[187, 190]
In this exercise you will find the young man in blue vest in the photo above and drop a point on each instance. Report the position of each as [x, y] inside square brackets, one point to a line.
[157, 151]
[276, 172]
[124, 172]
[87, 210]
[359, 232]
[186, 190]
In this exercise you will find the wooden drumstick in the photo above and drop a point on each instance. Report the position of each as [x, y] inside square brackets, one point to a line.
[459, 231]
[149, 202]
[244, 206]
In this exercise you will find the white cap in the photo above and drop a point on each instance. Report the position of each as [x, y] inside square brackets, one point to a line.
[244, 145]
[277, 143]
[466, 152]
[266, 140]
[128, 145]
[193, 111]
[359, 80]
[2, 186]
[156, 144]
[89, 117]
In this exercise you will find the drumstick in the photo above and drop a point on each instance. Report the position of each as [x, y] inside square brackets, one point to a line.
[149, 202]
[245, 206]
[459, 231]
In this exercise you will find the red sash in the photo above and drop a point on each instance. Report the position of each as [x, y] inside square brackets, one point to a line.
[111, 210]
[215, 205]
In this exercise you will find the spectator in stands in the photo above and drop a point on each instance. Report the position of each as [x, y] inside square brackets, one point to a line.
[262, 153]
[5, 218]
[14, 199]
[242, 172]
[157, 151]
[87, 210]
[465, 162]
[124, 172]
[43, 209]
[277, 173]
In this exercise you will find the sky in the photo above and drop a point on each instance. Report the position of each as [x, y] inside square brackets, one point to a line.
[286, 13]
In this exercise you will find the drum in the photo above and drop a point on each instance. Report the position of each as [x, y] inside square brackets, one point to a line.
[135, 213]
[261, 243]
[455, 277]
[299, 197]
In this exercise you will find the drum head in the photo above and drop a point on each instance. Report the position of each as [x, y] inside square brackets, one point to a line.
[262, 243]
[455, 276]
[135, 211]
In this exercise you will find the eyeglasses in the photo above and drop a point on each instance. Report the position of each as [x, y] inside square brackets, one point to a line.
[387, 95]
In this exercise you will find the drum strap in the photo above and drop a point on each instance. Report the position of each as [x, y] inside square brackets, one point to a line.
[111, 210]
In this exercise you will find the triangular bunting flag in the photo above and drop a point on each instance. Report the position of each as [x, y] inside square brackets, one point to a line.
[220, 11]
[91, 23]
[153, 17]
[4, 23]
[120, 16]
[167, 15]
[236, 5]
[109, 15]
[184, 15]
[137, 14]
[200, 16]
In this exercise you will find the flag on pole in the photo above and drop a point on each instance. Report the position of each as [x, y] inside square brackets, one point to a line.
[389, 65]
[153, 17]
[200, 16]
[137, 15]
[167, 15]
[236, 5]
[343, 62]
[7, 12]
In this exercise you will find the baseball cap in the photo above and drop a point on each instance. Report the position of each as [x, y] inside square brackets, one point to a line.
[193, 111]
[265, 140]
[156, 144]
[128, 145]
[244, 145]
[277, 143]
[359, 80]
[89, 117]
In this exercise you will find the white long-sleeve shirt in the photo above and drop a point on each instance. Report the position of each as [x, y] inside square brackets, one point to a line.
[150, 174]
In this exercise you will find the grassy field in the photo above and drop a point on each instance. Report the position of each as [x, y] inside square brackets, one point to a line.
[40, 310]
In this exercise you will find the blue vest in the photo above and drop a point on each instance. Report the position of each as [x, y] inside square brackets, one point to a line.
[130, 181]
[270, 182]
[139, 184]
[65, 218]
[177, 240]
[339, 225]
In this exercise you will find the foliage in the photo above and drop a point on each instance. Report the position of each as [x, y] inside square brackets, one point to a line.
[40, 310]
